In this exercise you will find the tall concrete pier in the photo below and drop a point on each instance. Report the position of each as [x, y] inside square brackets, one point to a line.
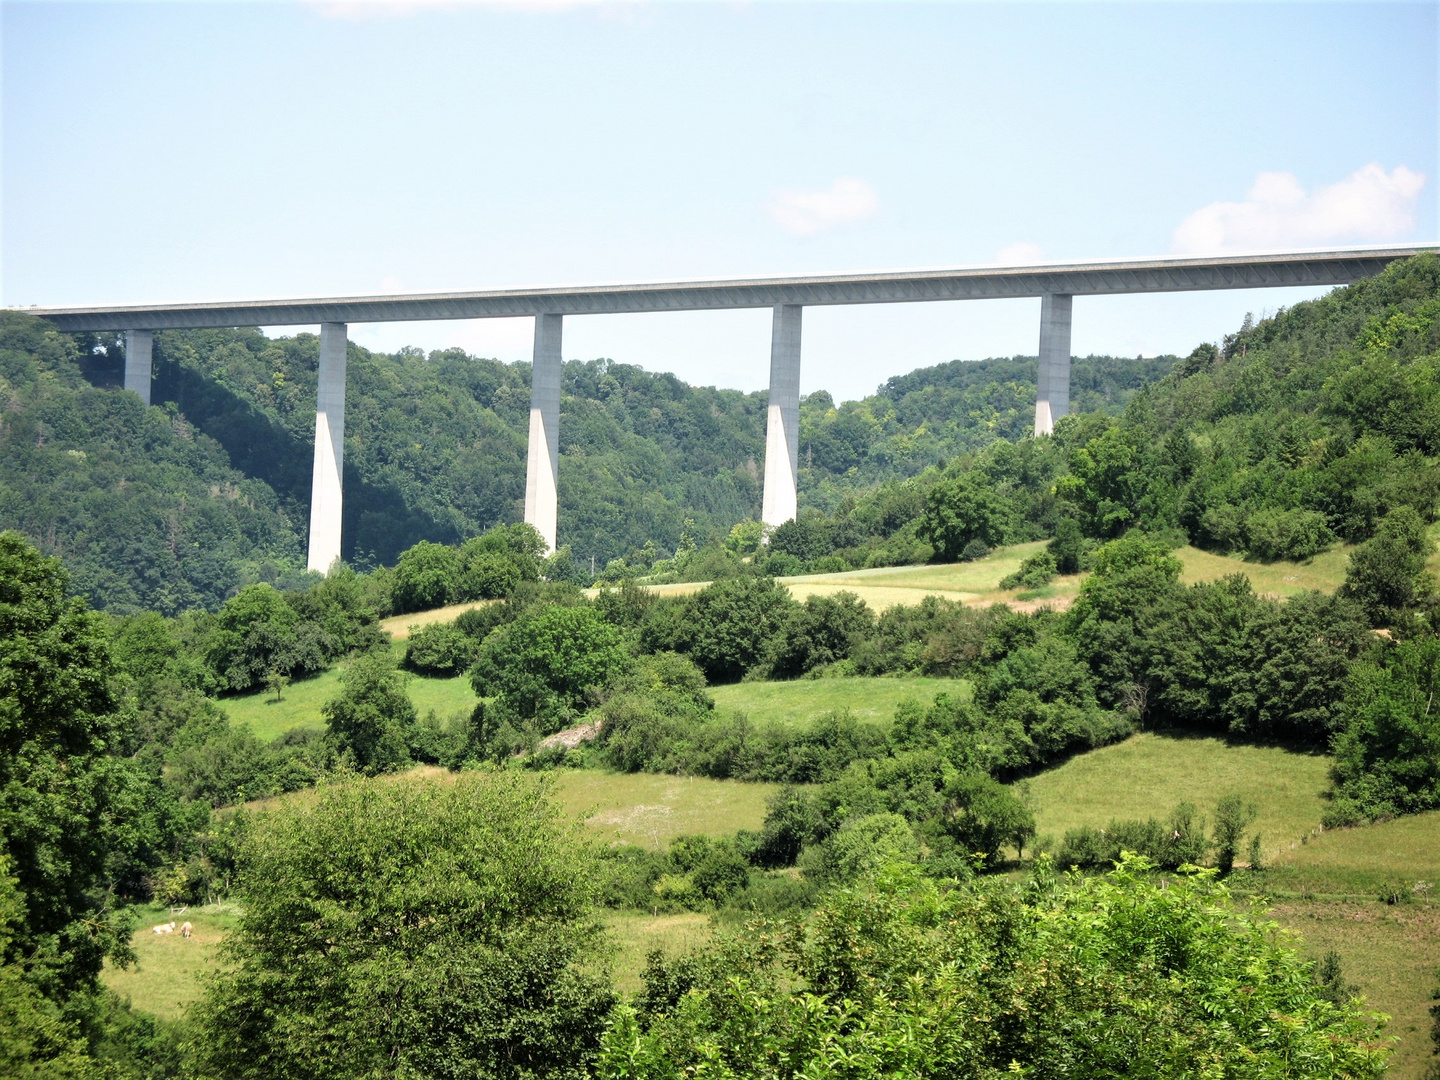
[542, 469]
[326, 492]
[782, 424]
[138, 345]
[1052, 384]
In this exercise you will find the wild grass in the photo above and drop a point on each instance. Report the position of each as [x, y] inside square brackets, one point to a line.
[169, 970]
[805, 699]
[634, 934]
[1147, 775]
[650, 810]
[1391, 953]
[398, 626]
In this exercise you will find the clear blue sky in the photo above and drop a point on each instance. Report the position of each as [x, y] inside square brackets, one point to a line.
[185, 151]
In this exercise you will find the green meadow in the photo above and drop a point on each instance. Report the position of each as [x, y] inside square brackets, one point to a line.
[300, 704]
[1148, 774]
[806, 699]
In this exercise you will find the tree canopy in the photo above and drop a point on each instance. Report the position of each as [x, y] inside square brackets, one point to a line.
[404, 928]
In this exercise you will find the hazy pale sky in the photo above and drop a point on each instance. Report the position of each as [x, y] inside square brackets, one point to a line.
[176, 151]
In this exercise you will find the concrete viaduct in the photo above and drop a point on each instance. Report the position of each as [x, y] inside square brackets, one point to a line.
[1055, 284]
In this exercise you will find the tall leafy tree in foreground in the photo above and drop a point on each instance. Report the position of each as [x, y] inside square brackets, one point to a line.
[65, 797]
[407, 929]
[1112, 976]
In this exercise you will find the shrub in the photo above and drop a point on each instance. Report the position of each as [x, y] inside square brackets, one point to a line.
[426, 576]
[489, 575]
[792, 820]
[441, 649]
[257, 632]
[962, 510]
[1035, 572]
[1178, 841]
[1233, 816]
[542, 665]
[1101, 976]
[860, 847]
[1387, 575]
[372, 719]
[1068, 546]
[820, 631]
[782, 564]
[974, 549]
[469, 904]
[1296, 658]
[982, 816]
[1387, 757]
[1296, 535]
[730, 625]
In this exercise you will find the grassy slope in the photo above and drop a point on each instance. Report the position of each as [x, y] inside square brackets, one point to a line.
[628, 808]
[974, 582]
[168, 972]
[302, 702]
[978, 582]
[1328, 883]
[1147, 775]
[806, 699]
[1391, 952]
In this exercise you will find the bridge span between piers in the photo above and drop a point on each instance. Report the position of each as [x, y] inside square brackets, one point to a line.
[1055, 284]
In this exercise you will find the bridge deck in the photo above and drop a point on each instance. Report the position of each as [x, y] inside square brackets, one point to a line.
[1313, 268]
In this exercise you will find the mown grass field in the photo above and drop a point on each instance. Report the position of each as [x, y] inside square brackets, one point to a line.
[398, 626]
[806, 699]
[978, 582]
[169, 969]
[1147, 775]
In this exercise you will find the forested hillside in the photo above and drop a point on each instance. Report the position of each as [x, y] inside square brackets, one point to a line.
[147, 510]
[1308, 428]
[435, 450]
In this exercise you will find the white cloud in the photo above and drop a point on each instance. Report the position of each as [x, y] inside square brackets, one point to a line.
[1370, 206]
[1020, 253]
[806, 213]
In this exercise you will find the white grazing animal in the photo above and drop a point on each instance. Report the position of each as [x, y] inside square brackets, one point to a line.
[185, 929]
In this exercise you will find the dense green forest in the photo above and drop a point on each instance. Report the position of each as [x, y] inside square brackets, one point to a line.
[211, 488]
